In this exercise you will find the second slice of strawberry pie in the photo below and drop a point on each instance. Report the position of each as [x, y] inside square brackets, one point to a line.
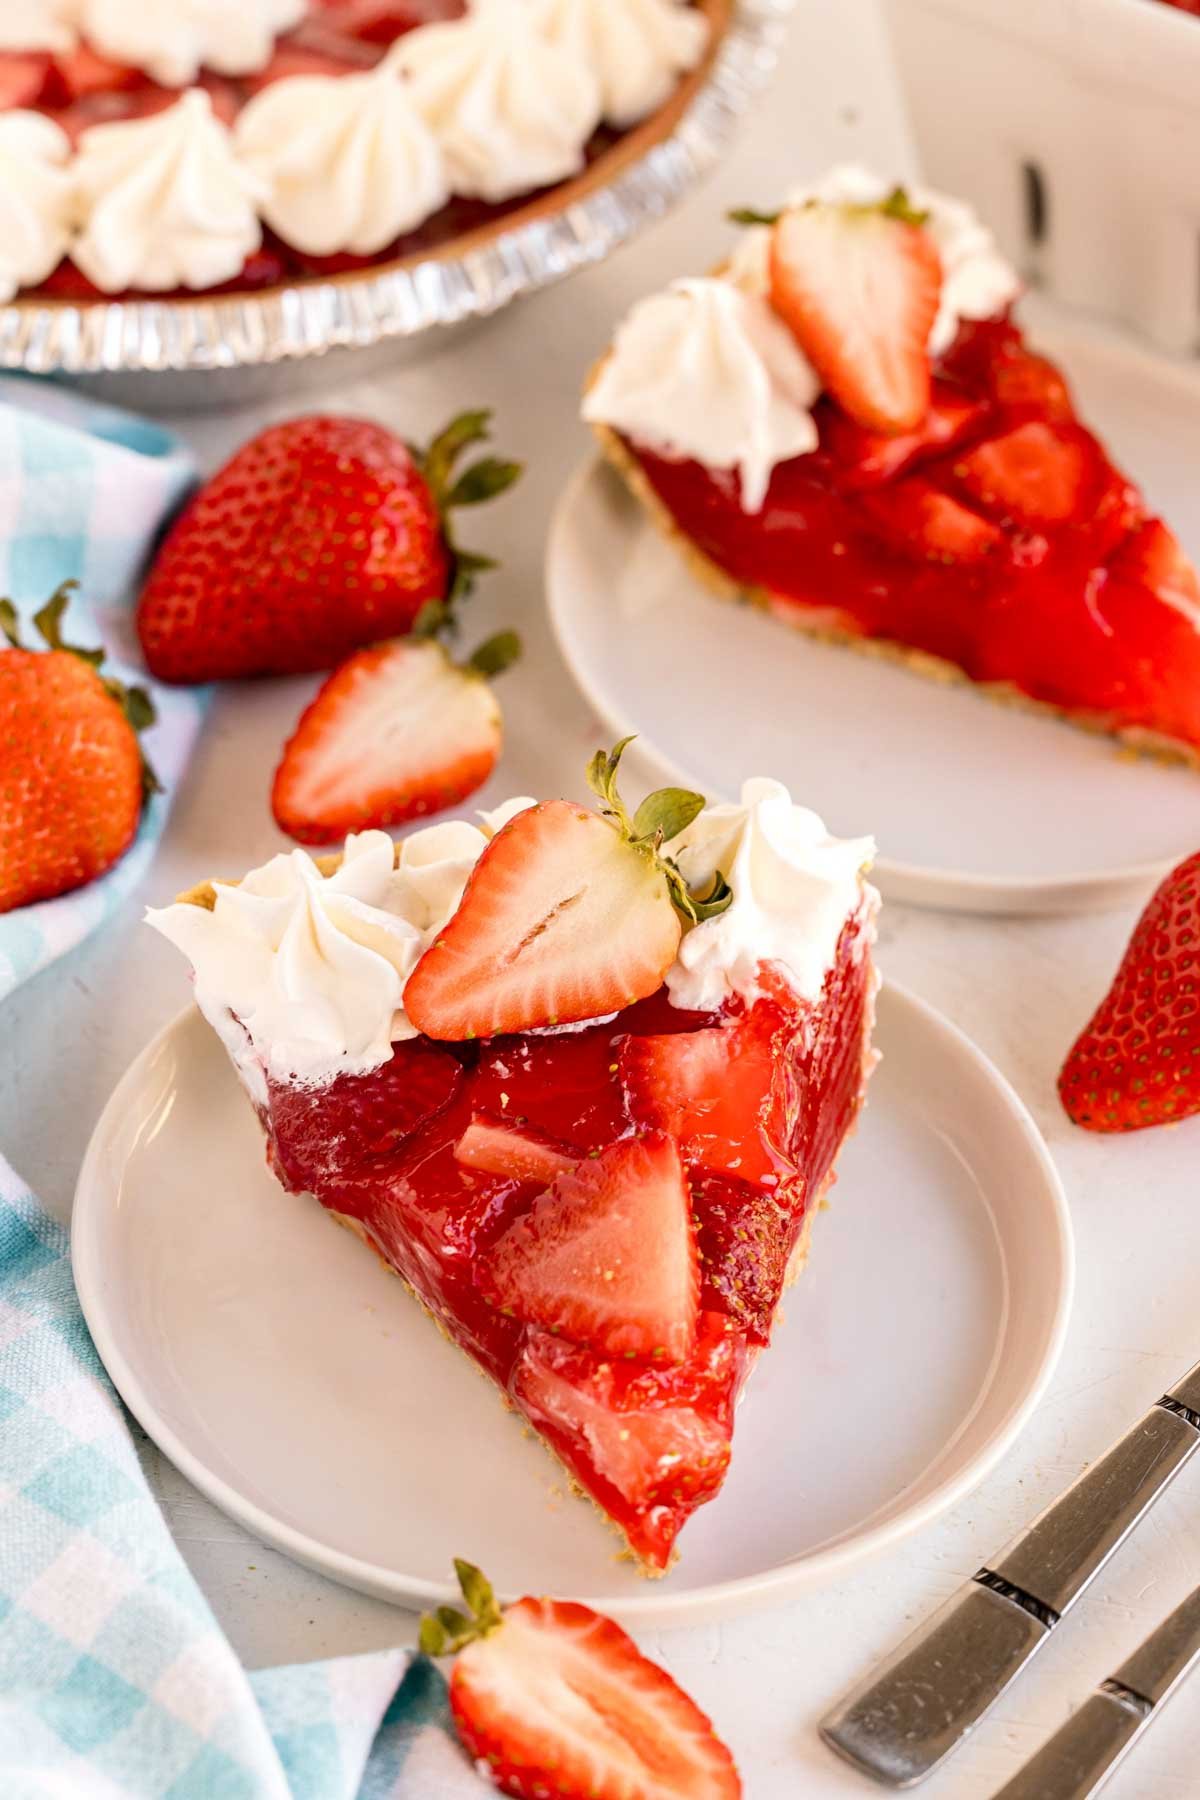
[846, 425]
[580, 1077]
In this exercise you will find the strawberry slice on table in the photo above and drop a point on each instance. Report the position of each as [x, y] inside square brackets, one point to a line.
[397, 732]
[568, 915]
[74, 780]
[550, 1698]
[859, 288]
[606, 1255]
[496, 1147]
[319, 536]
[1138, 1061]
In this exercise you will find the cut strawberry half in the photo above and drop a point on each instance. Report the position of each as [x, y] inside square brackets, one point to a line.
[918, 517]
[859, 288]
[1034, 474]
[553, 1699]
[568, 915]
[398, 731]
[607, 1255]
[498, 1148]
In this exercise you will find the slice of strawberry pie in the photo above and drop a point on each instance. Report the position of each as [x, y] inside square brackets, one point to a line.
[845, 425]
[581, 1079]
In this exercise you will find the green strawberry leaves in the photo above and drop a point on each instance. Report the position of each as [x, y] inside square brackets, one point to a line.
[446, 1630]
[659, 819]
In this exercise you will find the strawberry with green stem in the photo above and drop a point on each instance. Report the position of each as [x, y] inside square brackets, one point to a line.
[73, 778]
[551, 1698]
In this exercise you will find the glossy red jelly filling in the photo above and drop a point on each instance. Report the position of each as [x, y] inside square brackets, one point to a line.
[758, 1099]
[999, 536]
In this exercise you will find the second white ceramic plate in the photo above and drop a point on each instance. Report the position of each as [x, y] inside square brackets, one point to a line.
[976, 807]
[294, 1382]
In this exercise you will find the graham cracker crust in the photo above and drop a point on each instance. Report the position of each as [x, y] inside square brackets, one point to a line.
[1133, 738]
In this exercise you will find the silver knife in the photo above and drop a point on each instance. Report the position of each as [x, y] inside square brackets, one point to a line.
[908, 1716]
[1077, 1761]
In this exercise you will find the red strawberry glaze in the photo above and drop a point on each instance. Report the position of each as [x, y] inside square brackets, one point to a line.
[1043, 585]
[650, 1441]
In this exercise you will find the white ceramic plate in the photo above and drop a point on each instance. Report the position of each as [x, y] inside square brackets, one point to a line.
[294, 1382]
[976, 807]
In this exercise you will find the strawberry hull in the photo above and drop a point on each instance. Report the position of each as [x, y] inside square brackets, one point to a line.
[999, 538]
[647, 1438]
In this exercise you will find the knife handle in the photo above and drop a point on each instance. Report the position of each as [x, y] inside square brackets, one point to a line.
[908, 1716]
[1077, 1761]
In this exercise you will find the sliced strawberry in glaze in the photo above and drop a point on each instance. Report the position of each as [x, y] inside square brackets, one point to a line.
[607, 1255]
[1153, 557]
[870, 458]
[650, 1434]
[711, 1089]
[339, 1130]
[496, 1147]
[1021, 380]
[1036, 474]
[561, 1085]
[745, 1239]
[918, 517]
[74, 74]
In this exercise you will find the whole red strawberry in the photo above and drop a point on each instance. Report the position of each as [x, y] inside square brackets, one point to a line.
[1138, 1062]
[320, 536]
[72, 776]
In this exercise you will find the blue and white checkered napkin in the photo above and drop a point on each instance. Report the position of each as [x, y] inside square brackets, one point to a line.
[84, 491]
[115, 1680]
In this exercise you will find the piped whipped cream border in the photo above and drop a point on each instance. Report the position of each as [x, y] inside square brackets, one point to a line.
[498, 103]
[707, 371]
[302, 973]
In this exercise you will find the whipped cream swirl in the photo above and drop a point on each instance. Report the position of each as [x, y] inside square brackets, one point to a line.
[709, 371]
[36, 199]
[172, 40]
[977, 282]
[303, 974]
[637, 49]
[347, 162]
[511, 110]
[164, 201]
[38, 25]
[793, 885]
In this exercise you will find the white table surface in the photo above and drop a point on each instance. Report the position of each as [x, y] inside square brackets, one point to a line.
[1021, 988]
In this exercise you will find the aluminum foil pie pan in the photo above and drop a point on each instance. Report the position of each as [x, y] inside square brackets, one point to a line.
[230, 349]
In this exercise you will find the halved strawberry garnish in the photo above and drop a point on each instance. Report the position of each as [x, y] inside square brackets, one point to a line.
[859, 287]
[870, 458]
[553, 1699]
[1034, 474]
[1138, 1061]
[567, 916]
[711, 1089]
[398, 731]
[920, 518]
[607, 1254]
[22, 79]
[497, 1148]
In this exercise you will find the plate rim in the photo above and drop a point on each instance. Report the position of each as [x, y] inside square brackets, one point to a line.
[651, 1607]
[941, 890]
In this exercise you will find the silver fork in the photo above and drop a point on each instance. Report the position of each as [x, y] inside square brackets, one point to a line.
[908, 1716]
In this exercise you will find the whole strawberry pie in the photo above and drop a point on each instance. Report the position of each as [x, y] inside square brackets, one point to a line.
[846, 425]
[199, 144]
[581, 1078]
